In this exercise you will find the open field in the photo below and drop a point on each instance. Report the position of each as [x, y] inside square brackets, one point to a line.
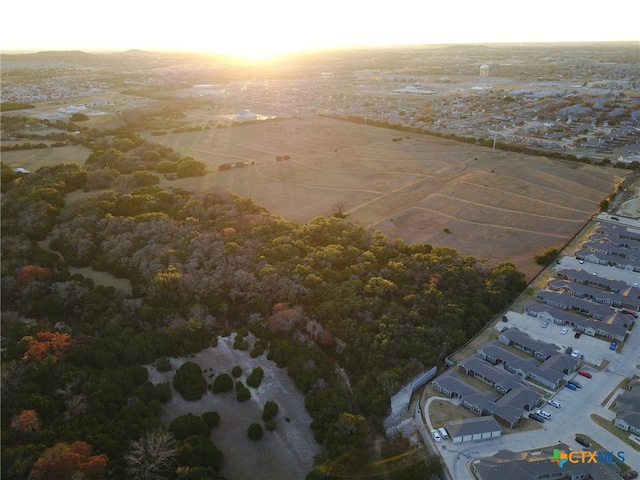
[37, 158]
[498, 206]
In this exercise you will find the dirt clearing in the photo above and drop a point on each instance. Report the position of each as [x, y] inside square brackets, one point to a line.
[286, 453]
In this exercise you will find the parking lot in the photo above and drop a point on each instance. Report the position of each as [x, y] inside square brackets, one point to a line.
[595, 350]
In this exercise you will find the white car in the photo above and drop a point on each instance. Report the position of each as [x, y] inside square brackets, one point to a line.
[443, 433]
[554, 403]
[544, 414]
[575, 353]
[436, 435]
[545, 324]
[564, 331]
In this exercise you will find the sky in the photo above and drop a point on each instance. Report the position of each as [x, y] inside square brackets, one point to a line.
[261, 28]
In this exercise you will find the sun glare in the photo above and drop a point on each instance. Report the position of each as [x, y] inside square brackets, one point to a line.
[262, 49]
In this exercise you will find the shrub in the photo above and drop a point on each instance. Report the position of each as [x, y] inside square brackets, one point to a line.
[236, 371]
[166, 167]
[255, 378]
[187, 425]
[189, 167]
[163, 365]
[222, 383]
[243, 394]
[144, 178]
[255, 431]
[270, 410]
[189, 381]
[270, 425]
[240, 343]
[212, 418]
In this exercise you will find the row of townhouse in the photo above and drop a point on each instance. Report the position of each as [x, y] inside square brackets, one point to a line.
[628, 408]
[614, 245]
[614, 327]
[631, 301]
[511, 394]
[550, 372]
[567, 301]
[622, 235]
[507, 409]
[585, 278]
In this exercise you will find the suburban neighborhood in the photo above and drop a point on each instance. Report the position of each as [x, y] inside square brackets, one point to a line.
[549, 373]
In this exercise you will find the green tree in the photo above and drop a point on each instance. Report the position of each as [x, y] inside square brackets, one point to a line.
[222, 383]
[189, 381]
[189, 167]
[255, 431]
[198, 451]
[187, 425]
[270, 410]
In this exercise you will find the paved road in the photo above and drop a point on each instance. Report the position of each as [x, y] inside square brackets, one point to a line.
[577, 406]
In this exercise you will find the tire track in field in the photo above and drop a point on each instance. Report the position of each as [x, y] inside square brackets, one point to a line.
[484, 224]
[530, 199]
[321, 187]
[502, 209]
[547, 187]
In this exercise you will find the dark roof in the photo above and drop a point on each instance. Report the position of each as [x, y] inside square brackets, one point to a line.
[472, 426]
[533, 465]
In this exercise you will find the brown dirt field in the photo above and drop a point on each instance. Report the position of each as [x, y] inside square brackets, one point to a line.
[285, 453]
[497, 206]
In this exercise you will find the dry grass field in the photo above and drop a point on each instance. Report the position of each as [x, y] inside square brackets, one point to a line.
[494, 205]
[34, 159]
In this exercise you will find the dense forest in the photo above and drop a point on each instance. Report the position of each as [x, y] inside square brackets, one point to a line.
[317, 297]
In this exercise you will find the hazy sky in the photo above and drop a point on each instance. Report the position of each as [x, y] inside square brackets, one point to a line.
[261, 27]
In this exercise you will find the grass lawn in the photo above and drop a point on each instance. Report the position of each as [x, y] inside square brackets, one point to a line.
[618, 432]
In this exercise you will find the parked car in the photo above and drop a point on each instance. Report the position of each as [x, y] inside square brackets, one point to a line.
[630, 475]
[443, 433]
[545, 324]
[577, 335]
[575, 353]
[569, 350]
[504, 319]
[536, 417]
[629, 312]
[583, 442]
[613, 345]
[564, 331]
[573, 382]
[585, 374]
[544, 414]
[436, 435]
[554, 403]
[570, 386]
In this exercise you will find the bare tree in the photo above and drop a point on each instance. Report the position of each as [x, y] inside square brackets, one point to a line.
[339, 209]
[151, 455]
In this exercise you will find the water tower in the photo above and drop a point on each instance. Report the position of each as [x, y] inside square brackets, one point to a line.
[484, 71]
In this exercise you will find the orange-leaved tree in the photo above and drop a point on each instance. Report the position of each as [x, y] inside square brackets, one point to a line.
[69, 461]
[45, 344]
